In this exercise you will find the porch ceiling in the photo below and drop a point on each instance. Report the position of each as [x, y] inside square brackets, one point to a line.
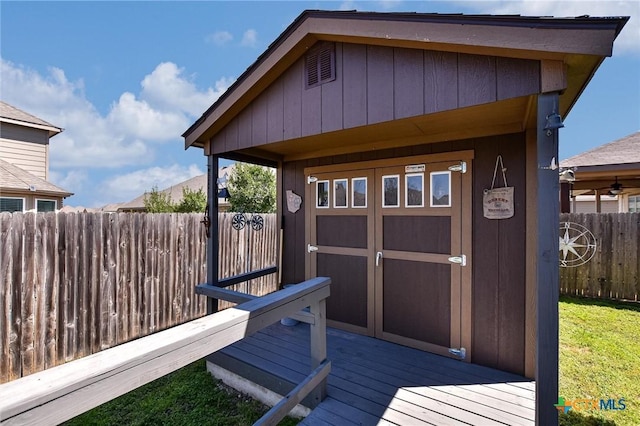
[589, 182]
[502, 117]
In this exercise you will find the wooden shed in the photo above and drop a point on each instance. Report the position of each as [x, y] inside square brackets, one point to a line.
[388, 126]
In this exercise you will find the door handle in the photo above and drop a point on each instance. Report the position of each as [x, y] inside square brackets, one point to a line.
[378, 257]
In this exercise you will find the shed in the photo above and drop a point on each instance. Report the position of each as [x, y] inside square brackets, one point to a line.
[389, 126]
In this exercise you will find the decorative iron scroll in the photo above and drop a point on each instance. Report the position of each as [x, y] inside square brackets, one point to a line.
[240, 220]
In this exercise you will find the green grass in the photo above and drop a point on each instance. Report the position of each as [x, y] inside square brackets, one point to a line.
[189, 396]
[600, 358]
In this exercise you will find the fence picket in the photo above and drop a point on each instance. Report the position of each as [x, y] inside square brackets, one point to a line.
[614, 271]
[7, 288]
[72, 284]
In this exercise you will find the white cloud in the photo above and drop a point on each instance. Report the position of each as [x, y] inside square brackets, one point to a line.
[249, 38]
[126, 135]
[131, 185]
[87, 140]
[139, 120]
[627, 42]
[348, 5]
[389, 4]
[219, 38]
[167, 88]
[72, 181]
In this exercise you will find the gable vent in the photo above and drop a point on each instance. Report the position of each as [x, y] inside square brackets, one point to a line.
[320, 65]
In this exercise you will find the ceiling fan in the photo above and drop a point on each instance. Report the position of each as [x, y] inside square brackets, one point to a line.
[616, 188]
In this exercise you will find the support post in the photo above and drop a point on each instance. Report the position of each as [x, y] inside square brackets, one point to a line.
[547, 266]
[318, 337]
[565, 197]
[213, 248]
[598, 201]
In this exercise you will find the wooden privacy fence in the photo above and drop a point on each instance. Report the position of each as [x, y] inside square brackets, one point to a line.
[56, 395]
[248, 250]
[72, 284]
[614, 270]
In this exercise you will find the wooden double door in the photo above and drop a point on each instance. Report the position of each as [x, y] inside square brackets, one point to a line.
[395, 238]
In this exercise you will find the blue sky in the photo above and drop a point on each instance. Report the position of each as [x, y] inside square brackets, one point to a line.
[125, 79]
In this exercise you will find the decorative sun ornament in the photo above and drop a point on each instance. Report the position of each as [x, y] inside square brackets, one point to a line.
[577, 245]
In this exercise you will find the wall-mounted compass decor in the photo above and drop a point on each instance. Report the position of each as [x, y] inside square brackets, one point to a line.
[577, 245]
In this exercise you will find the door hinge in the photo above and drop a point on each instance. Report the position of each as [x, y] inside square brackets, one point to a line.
[311, 248]
[311, 179]
[460, 260]
[460, 353]
[461, 167]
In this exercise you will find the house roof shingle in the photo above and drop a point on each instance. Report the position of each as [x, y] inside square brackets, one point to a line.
[11, 114]
[16, 179]
[621, 151]
[175, 191]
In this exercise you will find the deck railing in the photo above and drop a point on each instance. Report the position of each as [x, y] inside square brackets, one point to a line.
[63, 392]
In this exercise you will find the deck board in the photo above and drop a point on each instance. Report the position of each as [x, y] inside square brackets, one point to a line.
[377, 382]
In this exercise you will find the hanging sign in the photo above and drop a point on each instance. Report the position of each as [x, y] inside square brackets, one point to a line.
[497, 203]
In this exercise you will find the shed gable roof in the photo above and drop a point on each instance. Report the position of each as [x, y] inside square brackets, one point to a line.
[566, 39]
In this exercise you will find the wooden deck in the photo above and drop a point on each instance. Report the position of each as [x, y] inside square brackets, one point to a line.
[377, 382]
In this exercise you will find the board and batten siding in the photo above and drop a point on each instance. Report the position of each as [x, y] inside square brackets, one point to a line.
[499, 251]
[29, 156]
[375, 84]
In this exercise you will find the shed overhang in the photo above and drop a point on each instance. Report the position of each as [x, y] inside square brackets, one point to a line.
[508, 116]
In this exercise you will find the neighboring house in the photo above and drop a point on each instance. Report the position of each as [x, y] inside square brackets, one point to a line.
[196, 183]
[606, 178]
[387, 127]
[24, 162]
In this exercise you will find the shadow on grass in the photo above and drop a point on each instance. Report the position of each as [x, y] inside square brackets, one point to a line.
[616, 304]
[573, 418]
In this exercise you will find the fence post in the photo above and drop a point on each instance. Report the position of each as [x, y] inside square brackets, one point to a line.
[318, 337]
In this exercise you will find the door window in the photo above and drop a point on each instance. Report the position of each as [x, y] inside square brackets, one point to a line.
[322, 194]
[414, 189]
[340, 192]
[391, 191]
[359, 194]
[441, 189]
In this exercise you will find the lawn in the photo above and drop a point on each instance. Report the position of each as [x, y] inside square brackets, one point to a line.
[600, 358]
[189, 396]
